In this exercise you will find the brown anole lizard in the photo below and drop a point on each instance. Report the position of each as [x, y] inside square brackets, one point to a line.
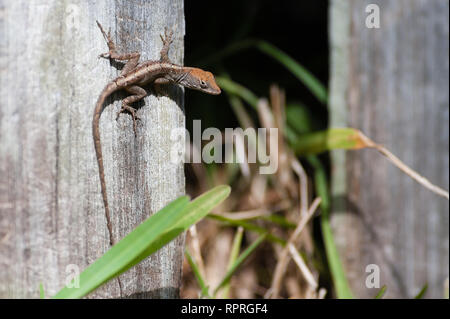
[132, 78]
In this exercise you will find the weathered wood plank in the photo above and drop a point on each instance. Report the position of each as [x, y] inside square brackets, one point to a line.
[51, 210]
[392, 83]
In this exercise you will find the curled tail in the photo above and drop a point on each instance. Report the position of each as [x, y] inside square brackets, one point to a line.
[107, 91]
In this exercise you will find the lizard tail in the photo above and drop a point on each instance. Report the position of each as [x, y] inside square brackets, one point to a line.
[107, 91]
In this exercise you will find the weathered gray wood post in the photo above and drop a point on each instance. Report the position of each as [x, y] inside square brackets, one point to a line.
[51, 211]
[392, 83]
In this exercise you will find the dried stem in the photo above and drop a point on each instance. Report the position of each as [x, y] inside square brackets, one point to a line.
[196, 250]
[303, 267]
[406, 169]
[283, 260]
[298, 169]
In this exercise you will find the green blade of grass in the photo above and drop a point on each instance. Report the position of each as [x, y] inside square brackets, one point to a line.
[239, 261]
[250, 227]
[446, 292]
[201, 206]
[191, 214]
[381, 293]
[235, 248]
[330, 139]
[279, 220]
[273, 218]
[306, 77]
[148, 237]
[197, 274]
[118, 258]
[341, 285]
[298, 118]
[422, 292]
[302, 74]
[237, 89]
[237, 106]
[41, 291]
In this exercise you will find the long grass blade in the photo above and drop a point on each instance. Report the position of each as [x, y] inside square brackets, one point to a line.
[151, 235]
[330, 139]
[381, 293]
[250, 227]
[235, 88]
[422, 292]
[299, 71]
[341, 285]
[201, 282]
[239, 261]
[235, 248]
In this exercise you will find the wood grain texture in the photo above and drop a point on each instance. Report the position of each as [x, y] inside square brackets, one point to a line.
[51, 210]
[392, 83]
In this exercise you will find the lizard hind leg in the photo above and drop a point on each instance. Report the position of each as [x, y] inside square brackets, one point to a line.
[138, 93]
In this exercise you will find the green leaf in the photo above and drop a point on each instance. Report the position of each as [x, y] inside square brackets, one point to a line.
[422, 292]
[201, 206]
[237, 89]
[306, 77]
[239, 261]
[147, 238]
[279, 220]
[235, 248]
[41, 291]
[197, 274]
[381, 293]
[250, 227]
[341, 285]
[237, 106]
[298, 118]
[125, 253]
[330, 139]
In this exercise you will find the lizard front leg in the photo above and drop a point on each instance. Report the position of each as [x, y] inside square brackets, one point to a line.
[166, 40]
[138, 93]
[131, 58]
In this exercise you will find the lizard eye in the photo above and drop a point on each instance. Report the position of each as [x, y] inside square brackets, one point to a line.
[203, 84]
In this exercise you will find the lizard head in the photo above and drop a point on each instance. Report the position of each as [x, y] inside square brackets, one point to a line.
[200, 80]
